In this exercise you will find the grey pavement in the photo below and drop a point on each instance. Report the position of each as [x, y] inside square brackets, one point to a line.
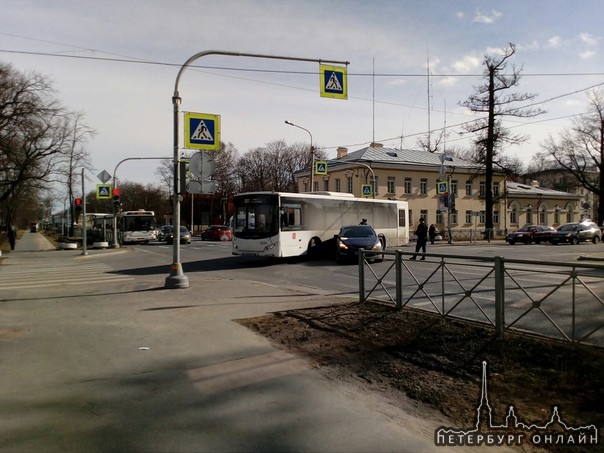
[130, 366]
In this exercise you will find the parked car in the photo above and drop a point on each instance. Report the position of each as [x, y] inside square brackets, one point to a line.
[217, 233]
[185, 236]
[353, 238]
[163, 231]
[543, 234]
[573, 233]
[524, 235]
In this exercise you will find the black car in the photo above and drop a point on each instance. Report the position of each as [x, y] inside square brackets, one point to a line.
[573, 233]
[353, 238]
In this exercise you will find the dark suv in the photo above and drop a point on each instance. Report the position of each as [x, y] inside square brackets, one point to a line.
[573, 233]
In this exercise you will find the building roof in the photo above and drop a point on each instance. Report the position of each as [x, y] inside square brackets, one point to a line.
[519, 189]
[399, 157]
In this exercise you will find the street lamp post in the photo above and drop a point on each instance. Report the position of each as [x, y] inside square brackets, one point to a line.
[312, 155]
[372, 176]
[177, 279]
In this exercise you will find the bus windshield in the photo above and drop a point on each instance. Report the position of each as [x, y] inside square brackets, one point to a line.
[256, 216]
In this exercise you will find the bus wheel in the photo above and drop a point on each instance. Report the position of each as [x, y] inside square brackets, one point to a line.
[313, 247]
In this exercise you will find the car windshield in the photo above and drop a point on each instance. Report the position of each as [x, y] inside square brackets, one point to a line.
[569, 227]
[357, 231]
[184, 230]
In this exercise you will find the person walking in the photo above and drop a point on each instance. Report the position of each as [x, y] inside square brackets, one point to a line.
[421, 232]
[432, 233]
[12, 236]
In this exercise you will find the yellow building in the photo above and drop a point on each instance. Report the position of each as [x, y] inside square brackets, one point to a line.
[420, 178]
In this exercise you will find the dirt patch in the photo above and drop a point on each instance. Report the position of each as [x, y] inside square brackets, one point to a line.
[439, 362]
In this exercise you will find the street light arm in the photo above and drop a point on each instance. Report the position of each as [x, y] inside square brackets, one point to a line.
[312, 154]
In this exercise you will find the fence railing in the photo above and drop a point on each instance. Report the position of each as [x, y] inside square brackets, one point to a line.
[554, 299]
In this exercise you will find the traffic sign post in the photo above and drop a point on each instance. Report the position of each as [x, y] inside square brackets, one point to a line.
[202, 131]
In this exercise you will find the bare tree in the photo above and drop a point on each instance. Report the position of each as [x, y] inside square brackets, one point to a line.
[492, 99]
[580, 149]
[36, 136]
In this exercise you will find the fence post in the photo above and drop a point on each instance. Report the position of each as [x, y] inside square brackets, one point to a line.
[398, 268]
[361, 276]
[499, 296]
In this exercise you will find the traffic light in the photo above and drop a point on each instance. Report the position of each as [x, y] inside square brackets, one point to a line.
[78, 204]
[116, 199]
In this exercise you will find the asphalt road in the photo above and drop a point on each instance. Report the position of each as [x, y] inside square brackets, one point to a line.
[97, 356]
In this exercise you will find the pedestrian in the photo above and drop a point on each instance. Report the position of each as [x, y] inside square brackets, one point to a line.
[12, 236]
[432, 233]
[421, 232]
[363, 222]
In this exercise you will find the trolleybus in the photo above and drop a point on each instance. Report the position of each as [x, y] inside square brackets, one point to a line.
[279, 224]
[137, 226]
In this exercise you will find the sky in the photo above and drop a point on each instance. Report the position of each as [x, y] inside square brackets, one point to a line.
[412, 65]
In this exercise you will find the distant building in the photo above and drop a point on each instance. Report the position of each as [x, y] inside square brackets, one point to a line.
[416, 176]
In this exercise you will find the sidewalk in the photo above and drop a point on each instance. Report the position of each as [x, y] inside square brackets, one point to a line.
[33, 242]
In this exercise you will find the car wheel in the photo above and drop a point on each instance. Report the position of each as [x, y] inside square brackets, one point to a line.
[575, 240]
[511, 242]
[537, 241]
[527, 241]
[596, 239]
[313, 245]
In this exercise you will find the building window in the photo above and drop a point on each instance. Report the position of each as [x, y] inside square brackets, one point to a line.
[407, 185]
[349, 184]
[482, 217]
[391, 185]
[315, 186]
[453, 187]
[424, 214]
[423, 186]
[454, 217]
[514, 216]
[529, 216]
[374, 184]
[496, 217]
[338, 185]
[468, 188]
[542, 216]
[468, 216]
[326, 185]
[569, 216]
[557, 217]
[496, 189]
[439, 217]
[482, 190]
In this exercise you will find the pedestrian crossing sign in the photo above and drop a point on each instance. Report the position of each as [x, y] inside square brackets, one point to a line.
[333, 82]
[202, 131]
[442, 187]
[320, 167]
[103, 192]
[367, 190]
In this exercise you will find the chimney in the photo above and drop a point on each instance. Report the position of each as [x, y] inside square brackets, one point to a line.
[341, 152]
[376, 145]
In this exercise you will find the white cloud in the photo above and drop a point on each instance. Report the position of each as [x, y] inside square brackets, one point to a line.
[587, 54]
[467, 64]
[460, 15]
[554, 42]
[589, 39]
[485, 18]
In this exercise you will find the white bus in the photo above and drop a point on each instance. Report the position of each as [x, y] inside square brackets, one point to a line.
[278, 224]
[137, 226]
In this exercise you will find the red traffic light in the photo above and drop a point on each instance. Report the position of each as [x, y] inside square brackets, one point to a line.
[116, 192]
[78, 202]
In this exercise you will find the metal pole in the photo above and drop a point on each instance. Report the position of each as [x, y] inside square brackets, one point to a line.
[177, 279]
[372, 175]
[115, 243]
[84, 226]
[312, 156]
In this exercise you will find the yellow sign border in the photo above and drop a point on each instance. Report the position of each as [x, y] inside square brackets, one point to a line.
[317, 163]
[342, 70]
[202, 116]
[438, 187]
[99, 197]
